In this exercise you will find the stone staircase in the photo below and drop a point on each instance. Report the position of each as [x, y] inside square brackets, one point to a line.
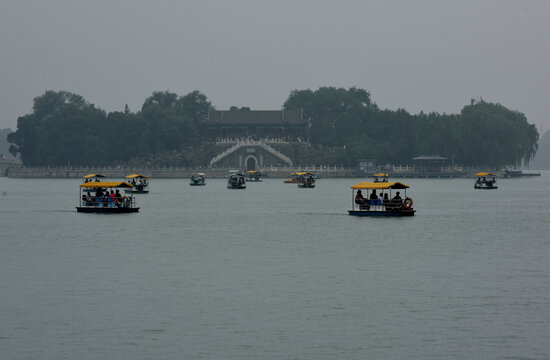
[261, 144]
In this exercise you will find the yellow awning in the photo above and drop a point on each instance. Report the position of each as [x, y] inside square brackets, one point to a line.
[303, 173]
[380, 185]
[137, 176]
[252, 171]
[94, 175]
[485, 174]
[106, 184]
[380, 174]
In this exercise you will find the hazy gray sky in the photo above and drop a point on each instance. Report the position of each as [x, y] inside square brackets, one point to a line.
[414, 54]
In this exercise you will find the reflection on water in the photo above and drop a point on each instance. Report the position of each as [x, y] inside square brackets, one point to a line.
[275, 272]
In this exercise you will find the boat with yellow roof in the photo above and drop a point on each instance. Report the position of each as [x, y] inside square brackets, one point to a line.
[483, 182]
[140, 184]
[100, 197]
[384, 200]
[90, 177]
[306, 179]
[293, 178]
[254, 176]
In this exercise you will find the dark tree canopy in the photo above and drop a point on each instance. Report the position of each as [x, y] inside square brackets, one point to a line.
[483, 134]
[65, 129]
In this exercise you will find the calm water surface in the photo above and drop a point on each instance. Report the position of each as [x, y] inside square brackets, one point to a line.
[276, 272]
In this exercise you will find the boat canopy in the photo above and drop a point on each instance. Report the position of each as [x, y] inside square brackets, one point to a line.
[236, 174]
[381, 174]
[303, 173]
[253, 172]
[380, 185]
[106, 184]
[93, 175]
[197, 174]
[485, 174]
[137, 176]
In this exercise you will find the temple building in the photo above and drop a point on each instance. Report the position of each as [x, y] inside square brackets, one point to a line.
[288, 125]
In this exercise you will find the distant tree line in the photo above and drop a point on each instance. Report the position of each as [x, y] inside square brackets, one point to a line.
[65, 129]
[483, 134]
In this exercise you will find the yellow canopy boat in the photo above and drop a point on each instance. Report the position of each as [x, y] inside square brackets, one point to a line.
[140, 184]
[483, 183]
[104, 201]
[382, 204]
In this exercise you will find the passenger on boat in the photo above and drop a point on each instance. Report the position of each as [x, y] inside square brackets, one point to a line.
[397, 200]
[478, 181]
[118, 198]
[359, 199]
[113, 199]
[373, 197]
[386, 200]
[380, 199]
[84, 200]
[99, 196]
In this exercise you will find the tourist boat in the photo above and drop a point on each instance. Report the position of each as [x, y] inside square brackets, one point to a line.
[483, 183]
[306, 180]
[198, 179]
[391, 203]
[254, 176]
[140, 184]
[100, 202]
[90, 177]
[380, 177]
[293, 178]
[236, 181]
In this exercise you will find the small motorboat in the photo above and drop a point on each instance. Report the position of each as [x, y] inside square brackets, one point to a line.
[236, 181]
[140, 184]
[198, 179]
[484, 183]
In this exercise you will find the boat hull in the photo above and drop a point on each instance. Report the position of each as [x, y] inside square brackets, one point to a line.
[485, 187]
[192, 184]
[402, 212]
[302, 186]
[106, 210]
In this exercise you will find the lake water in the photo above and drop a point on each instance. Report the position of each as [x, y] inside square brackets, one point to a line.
[276, 272]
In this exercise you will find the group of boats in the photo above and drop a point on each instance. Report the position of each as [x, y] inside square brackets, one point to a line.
[384, 198]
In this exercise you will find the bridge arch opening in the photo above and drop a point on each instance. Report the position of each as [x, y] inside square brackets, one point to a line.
[251, 163]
